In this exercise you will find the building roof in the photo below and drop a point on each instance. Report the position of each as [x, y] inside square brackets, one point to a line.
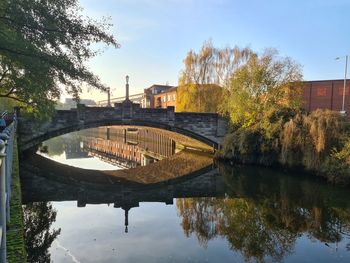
[161, 86]
[321, 80]
[171, 89]
[166, 91]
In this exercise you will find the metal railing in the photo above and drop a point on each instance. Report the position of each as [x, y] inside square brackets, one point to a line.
[134, 98]
[6, 158]
[3, 114]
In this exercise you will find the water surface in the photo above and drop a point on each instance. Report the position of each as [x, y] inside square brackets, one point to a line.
[219, 214]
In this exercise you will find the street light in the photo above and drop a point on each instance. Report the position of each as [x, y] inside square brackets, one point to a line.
[346, 69]
[127, 88]
[108, 97]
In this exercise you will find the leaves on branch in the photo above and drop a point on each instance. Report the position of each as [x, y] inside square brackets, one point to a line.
[43, 48]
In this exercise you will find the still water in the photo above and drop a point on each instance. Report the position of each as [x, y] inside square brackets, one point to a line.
[217, 213]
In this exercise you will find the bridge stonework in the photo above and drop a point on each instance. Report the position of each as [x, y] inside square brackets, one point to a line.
[209, 128]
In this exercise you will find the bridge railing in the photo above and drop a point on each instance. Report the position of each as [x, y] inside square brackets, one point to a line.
[6, 158]
[2, 120]
[135, 98]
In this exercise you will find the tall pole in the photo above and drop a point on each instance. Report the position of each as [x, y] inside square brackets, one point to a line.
[127, 88]
[344, 88]
[109, 97]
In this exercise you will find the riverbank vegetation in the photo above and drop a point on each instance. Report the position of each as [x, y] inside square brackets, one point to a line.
[16, 252]
[317, 142]
[260, 93]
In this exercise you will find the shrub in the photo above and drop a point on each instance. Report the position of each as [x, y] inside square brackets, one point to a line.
[319, 142]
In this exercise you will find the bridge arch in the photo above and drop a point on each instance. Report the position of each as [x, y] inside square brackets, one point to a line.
[208, 128]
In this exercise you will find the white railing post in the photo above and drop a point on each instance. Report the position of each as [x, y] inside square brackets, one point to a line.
[3, 201]
[6, 158]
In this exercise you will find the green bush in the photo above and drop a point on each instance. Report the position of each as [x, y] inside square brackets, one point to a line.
[337, 165]
[319, 142]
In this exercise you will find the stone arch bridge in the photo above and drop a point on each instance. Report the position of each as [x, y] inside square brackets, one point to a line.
[209, 128]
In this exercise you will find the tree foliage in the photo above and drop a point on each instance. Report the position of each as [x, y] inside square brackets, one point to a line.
[38, 218]
[199, 97]
[263, 83]
[212, 65]
[204, 75]
[43, 47]
[317, 142]
[263, 100]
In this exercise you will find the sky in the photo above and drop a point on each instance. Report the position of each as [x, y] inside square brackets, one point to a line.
[155, 36]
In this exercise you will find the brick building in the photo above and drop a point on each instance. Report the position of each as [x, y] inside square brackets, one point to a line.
[148, 99]
[166, 98]
[325, 94]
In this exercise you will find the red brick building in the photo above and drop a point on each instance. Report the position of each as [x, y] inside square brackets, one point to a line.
[325, 94]
[166, 98]
[148, 98]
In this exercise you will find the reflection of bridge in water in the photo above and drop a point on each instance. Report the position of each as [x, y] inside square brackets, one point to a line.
[123, 146]
[205, 183]
[128, 147]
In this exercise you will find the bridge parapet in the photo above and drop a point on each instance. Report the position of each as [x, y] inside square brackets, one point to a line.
[206, 127]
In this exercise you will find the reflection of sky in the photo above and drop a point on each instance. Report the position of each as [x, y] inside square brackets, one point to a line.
[316, 251]
[96, 234]
[85, 163]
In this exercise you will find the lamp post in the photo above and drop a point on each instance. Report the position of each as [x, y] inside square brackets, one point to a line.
[108, 97]
[127, 88]
[344, 87]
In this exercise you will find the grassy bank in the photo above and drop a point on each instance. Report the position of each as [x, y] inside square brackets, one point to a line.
[15, 236]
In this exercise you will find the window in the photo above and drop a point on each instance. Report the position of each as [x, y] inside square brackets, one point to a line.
[168, 97]
[174, 97]
[159, 102]
[321, 92]
[164, 98]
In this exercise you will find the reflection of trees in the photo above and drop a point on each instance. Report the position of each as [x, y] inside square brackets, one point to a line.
[264, 213]
[55, 146]
[199, 216]
[38, 218]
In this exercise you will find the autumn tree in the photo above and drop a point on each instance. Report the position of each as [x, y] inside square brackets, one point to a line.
[199, 97]
[44, 45]
[265, 82]
[204, 75]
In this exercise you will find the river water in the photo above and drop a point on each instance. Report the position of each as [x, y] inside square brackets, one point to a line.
[132, 194]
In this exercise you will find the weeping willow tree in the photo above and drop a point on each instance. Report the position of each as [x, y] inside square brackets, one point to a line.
[293, 141]
[204, 75]
[319, 142]
[199, 98]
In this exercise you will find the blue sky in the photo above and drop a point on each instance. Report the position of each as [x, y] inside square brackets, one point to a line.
[155, 35]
